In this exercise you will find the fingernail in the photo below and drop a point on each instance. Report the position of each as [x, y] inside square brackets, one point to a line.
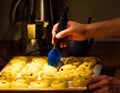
[57, 35]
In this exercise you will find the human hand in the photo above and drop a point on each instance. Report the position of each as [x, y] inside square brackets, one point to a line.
[103, 84]
[74, 31]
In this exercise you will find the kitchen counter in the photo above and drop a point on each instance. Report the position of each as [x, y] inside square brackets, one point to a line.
[107, 51]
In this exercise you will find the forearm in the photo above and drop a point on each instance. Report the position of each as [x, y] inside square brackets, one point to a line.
[104, 29]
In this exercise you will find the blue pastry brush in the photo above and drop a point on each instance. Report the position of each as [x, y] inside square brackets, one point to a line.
[54, 55]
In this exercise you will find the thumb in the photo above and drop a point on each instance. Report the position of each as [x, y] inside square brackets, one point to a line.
[62, 34]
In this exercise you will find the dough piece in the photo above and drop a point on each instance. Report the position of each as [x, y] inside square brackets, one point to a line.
[59, 83]
[29, 72]
[91, 60]
[86, 74]
[67, 75]
[84, 70]
[4, 84]
[43, 60]
[67, 67]
[30, 76]
[2, 77]
[48, 72]
[40, 84]
[17, 59]
[75, 61]
[19, 83]
[79, 81]
[19, 63]
[10, 74]
[38, 62]
[85, 65]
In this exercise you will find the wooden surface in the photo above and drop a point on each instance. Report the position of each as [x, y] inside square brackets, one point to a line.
[43, 91]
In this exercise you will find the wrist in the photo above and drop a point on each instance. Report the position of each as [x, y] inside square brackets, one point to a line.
[87, 31]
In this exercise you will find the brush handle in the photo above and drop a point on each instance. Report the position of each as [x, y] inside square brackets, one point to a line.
[62, 25]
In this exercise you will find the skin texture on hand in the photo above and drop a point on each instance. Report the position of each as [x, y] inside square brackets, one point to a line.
[103, 84]
[78, 31]
[72, 32]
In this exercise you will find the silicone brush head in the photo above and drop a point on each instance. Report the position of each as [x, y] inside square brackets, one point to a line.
[54, 55]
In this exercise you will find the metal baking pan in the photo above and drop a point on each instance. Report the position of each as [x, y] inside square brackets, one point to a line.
[96, 70]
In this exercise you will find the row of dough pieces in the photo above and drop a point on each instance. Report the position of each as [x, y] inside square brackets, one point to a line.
[76, 72]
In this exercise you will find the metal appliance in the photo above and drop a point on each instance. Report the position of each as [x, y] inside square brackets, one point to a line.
[35, 19]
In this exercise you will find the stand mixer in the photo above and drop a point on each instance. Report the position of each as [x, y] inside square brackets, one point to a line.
[36, 18]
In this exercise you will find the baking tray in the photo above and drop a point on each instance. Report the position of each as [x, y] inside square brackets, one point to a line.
[97, 69]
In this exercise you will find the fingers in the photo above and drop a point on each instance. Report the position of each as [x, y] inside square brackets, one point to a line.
[64, 35]
[98, 82]
[61, 35]
[103, 87]
[64, 43]
[104, 84]
[104, 90]
[97, 78]
[65, 32]
[54, 33]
